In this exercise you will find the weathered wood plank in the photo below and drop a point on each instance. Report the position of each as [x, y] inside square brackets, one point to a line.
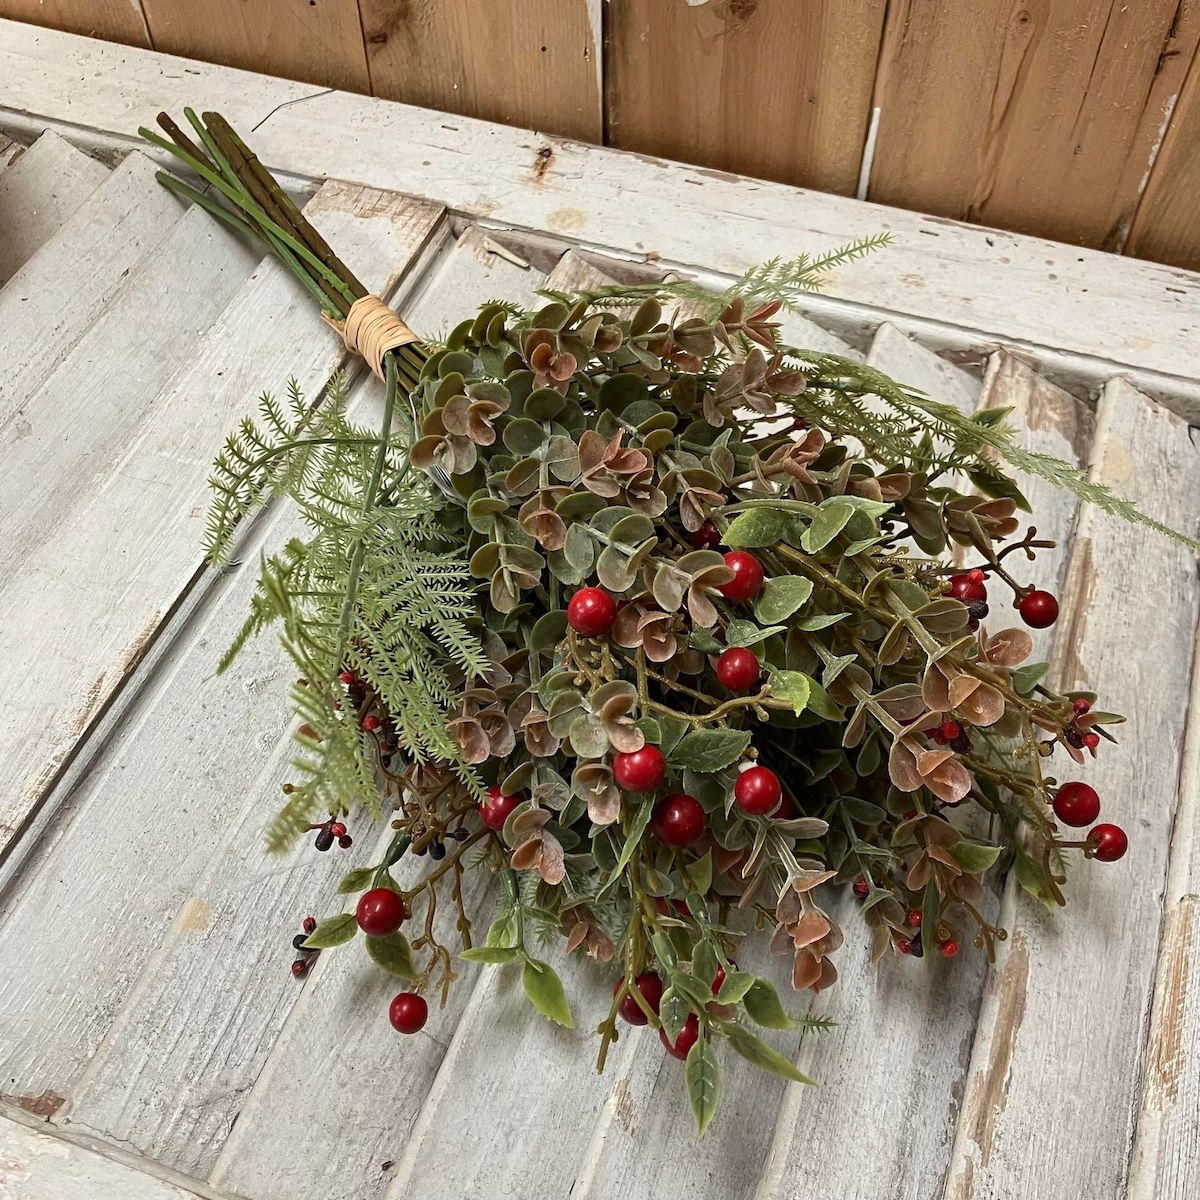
[775, 90]
[969, 285]
[9, 150]
[1054, 988]
[533, 63]
[38, 192]
[113, 20]
[74, 903]
[37, 1165]
[52, 300]
[910, 363]
[337, 1036]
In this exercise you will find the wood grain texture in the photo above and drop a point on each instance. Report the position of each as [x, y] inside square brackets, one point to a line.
[113, 20]
[1043, 118]
[38, 192]
[318, 41]
[51, 301]
[532, 63]
[115, 565]
[1056, 989]
[776, 89]
[315, 1073]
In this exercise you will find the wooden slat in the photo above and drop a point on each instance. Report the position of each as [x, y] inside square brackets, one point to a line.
[962, 285]
[912, 364]
[533, 63]
[338, 1030]
[773, 89]
[319, 43]
[113, 20]
[38, 193]
[114, 566]
[1167, 224]
[50, 302]
[9, 150]
[37, 1165]
[1062, 1024]
[1043, 118]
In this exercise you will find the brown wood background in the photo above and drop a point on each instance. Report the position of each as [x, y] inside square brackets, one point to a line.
[1077, 120]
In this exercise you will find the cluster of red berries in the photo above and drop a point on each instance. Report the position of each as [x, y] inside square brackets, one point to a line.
[915, 944]
[650, 987]
[380, 913]
[1078, 804]
[1038, 609]
[1075, 733]
[329, 832]
[300, 966]
[952, 734]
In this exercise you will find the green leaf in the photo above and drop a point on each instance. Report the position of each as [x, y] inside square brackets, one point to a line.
[746, 633]
[703, 640]
[490, 954]
[703, 1074]
[704, 962]
[393, 954]
[503, 931]
[793, 686]
[756, 1051]
[763, 1006]
[672, 1012]
[735, 986]
[832, 517]
[355, 881]
[706, 751]
[781, 597]
[332, 931]
[699, 874]
[1031, 875]
[545, 992]
[973, 857]
[931, 911]
[1026, 678]
[999, 487]
[636, 828]
[759, 527]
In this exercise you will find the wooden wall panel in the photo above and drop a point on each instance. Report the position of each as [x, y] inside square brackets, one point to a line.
[531, 63]
[1167, 226]
[779, 89]
[113, 20]
[1038, 117]
[317, 41]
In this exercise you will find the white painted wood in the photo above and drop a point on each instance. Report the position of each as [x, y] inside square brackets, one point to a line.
[74, 902]
[910, 363]
[52, 300]
[9, 150]
[37, 1165]
[337, 1053]
[1051, 1093]
[1135, 315]
[38, 192]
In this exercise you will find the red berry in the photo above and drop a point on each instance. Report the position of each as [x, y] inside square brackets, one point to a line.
[1091, 740]
[949, 730]
[914, 920]
[1076, 804]
[299, 967]
[747, 576]
[975, 575]
[496, 808]
[903, 945]
[591, 612]
[347, 677]
[758, 791]
[408, 1012]
[310, 923]
[676, 908]
[380, 912]
[651, 988]
[370, 724]
[1108, 842]
[949, 947]
[862, 889]
[786, 810]
[707, 537]
[686, 1039]
[337, 829]
[738, 669]
[1081, 706]
[345, 841]
[1039, 609]
[963, 587]
[678, 820]
[641, 771]
[718, 979]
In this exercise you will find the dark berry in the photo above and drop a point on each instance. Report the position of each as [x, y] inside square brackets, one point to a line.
[345, 841]
[915, 948]
[380, 912]
[496, 808]
[747, 578]
[299, 940]
[1076, 804]
[639, 771]
[707, 537]
[738, 669]
[758, 791]
[686, 1039]
[1108, 842]
[977, 609]
[1039, 610]
[678, 820]
[337, 829]
[962, 743]
[408, 1012]
[324, 840]
[437, 850]
[1073, 738]
[862, 889]
[461, 834]
[591, 612]
[651, 989]
[371, 724]
[299, 967]
[310, 923]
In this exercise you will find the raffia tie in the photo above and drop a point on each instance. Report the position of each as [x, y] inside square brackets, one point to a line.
[371, 329]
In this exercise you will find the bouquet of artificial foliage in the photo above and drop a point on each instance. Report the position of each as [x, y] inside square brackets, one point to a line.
[658, 620]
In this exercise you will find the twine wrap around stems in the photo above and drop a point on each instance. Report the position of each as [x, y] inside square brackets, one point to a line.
[371, 329]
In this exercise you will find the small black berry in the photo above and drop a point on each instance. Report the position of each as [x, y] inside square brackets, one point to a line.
[299, 940]
[961, 744]
[461, 834]
[914, 946]
[437, 850]
[1074, 738]
[345, 841]
[324, 840]
[977, 609]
